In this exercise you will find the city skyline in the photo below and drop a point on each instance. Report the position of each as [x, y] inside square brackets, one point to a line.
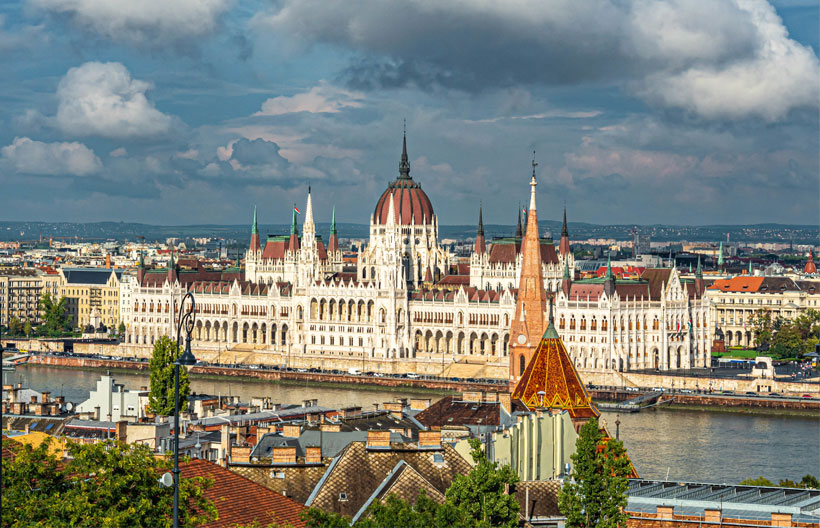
[656, 114]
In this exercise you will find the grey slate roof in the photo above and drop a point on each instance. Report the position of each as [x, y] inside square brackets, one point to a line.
[89, 275]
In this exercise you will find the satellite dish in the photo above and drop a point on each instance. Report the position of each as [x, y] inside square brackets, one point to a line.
[522, 339]
[166, 480]
[69, 406]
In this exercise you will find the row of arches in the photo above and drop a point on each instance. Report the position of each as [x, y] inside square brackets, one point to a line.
[462, 343]
[343, 311]
[218, 332]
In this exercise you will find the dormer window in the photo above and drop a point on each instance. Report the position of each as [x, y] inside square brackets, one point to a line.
[343, 497]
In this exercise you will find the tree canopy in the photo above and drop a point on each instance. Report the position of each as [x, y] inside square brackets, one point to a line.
[787, 337]
[103, 484]
[53, 314]
[808, 481]
[596, 493]
[161, 396]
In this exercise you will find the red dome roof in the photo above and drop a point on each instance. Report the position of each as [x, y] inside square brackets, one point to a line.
[410, 202]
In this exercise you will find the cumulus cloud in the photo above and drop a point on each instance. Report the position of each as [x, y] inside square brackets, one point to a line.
[323, 98]
[689, 54]
[51, 159]
[102, 99]
[780, 76]
[152, 23]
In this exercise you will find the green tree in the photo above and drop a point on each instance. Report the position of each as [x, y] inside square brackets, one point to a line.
[121, 328]
[54, 317]
[15, 326]
[759, 481]
[27, 328]
[595, 495]
[810, 481]
[161, 396]
[482, 493]
[104, 484]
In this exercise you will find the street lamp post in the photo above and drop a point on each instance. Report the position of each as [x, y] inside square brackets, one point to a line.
[186, 322]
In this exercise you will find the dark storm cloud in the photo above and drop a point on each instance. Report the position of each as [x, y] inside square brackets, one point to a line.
[709, 58]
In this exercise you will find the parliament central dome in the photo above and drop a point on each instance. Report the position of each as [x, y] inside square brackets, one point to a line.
[411, 204]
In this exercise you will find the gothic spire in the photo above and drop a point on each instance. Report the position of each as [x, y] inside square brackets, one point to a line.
[404, 164]
[518, 231]
[293, 229]
[480, 243]
[333, 222]
[564, 231]
[699, 271]
[255, 230]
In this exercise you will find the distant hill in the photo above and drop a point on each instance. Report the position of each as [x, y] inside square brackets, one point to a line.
[239, 234]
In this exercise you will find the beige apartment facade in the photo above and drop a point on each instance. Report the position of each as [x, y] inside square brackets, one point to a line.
[91, 293]
[735, 301]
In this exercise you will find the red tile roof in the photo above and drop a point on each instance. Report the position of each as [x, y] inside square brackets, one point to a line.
[240, 501]
[507, 252]
[738, 284]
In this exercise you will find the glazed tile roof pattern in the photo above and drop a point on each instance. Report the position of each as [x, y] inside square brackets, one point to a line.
[543, 498]
[452, 411]
[358, 471]
[550, 370]
[738, 284]
[506, 250]
[156, 277]
[657, 278]
[240, 501]
[405, 483]
[294, 481]
[745, 284]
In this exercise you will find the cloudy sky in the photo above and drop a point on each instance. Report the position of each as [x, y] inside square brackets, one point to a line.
[192, 111]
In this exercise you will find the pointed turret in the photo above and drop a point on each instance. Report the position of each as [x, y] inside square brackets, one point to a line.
[528, 325]
[480, 244]
[391, 212]
[333, 242]
[404, 164]
[700, 285]
[566, 281]
[172, 270]
[141, 268]
[563, 247]
[308, 227]
[720, 256]
[609, 278]
[750, 268]
[810, 268]
[550, 381]
[293, 242]
[256, 245]
[518, 231]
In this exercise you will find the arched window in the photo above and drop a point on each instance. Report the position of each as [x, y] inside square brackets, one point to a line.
[521, 364]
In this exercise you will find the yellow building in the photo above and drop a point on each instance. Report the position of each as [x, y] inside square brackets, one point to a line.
[21, 290]
[92, 291]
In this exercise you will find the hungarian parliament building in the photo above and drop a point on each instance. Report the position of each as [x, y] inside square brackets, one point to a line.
[408, 305]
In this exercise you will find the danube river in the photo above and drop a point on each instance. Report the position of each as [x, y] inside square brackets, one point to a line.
[701, 446]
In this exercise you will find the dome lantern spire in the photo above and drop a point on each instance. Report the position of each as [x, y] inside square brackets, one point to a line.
[404, 164]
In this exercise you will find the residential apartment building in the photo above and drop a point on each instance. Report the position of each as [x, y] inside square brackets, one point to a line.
[21, 290]
[734, 302]
[91, 291]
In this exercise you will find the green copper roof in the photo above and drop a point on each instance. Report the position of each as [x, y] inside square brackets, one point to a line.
[566, 267]
[293, 230]
[550, 332]
[255, 230]
[699, 271]
[333, 222]
[720, 254]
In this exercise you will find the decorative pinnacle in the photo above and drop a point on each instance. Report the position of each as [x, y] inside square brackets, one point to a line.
[699, 271]
[293, 230]
[480, 221]
[533, 183]
[333, 222]
[564, 231]
[404, 164]
[255, 230]
[608, 266]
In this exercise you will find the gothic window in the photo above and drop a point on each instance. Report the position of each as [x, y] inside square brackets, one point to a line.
[521, 365]
[561, 323]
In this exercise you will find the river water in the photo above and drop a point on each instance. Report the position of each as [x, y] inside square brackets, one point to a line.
[691, 445]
